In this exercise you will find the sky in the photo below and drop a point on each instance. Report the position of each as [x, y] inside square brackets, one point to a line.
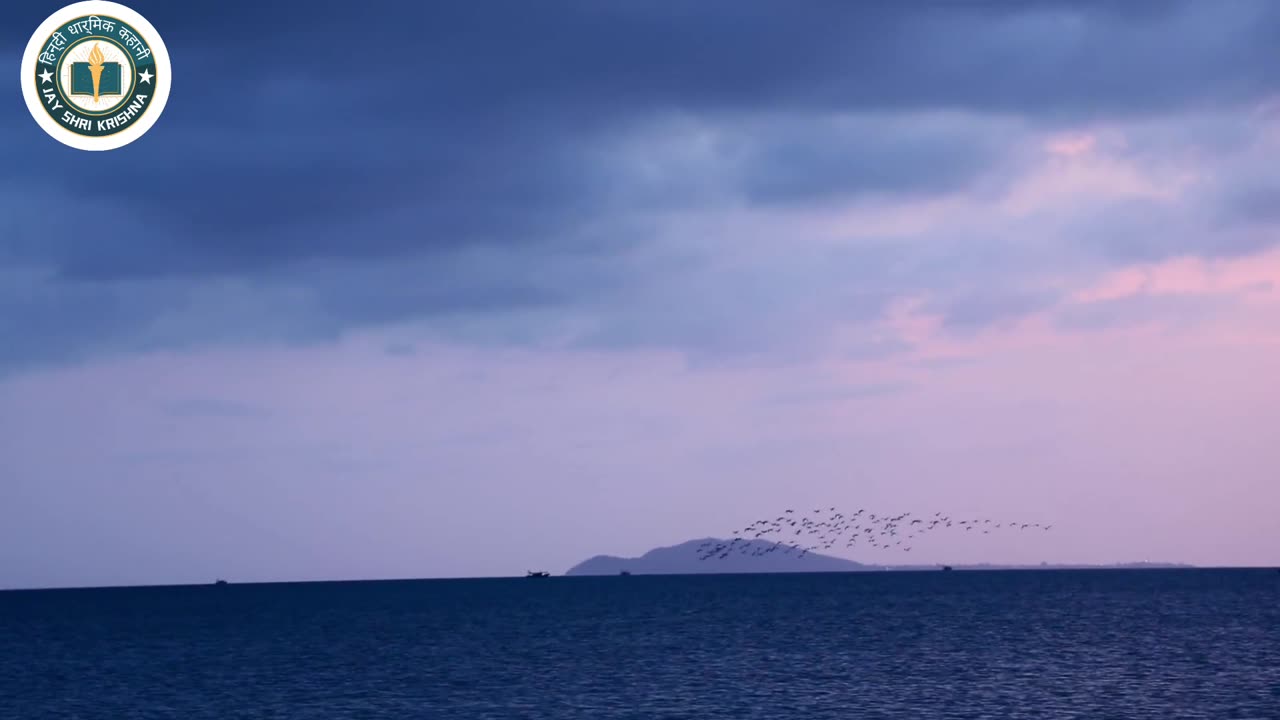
[403, 289]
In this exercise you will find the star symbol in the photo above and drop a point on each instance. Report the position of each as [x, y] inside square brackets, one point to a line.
[145, 77]
[46, 76]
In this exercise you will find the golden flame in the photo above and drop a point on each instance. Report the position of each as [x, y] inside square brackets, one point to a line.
[96, 58]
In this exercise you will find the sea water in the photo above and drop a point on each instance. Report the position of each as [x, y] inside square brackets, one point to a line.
[1001, 644]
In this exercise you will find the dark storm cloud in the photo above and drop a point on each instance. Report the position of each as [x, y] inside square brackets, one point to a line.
[578, 54]
[233, 203]
[392, 139]
[840, 159]
[480, 115]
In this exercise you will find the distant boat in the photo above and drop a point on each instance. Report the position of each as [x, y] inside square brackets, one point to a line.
[946, 568]
[219, 581]
[538, 574]
[625, 572]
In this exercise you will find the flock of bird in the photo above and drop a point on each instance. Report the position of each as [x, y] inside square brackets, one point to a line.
[801, 533]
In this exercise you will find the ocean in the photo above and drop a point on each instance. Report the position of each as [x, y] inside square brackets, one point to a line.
[1105, 644]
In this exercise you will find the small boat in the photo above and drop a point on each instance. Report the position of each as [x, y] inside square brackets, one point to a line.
[219, 581]
[625, 572]
[538, 574]
[946, 568]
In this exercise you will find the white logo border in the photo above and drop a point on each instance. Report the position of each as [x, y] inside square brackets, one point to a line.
[35, 101]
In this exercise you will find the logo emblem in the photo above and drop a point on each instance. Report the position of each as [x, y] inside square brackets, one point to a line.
[95, 75]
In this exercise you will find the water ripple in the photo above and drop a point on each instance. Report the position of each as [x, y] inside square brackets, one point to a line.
[1110, 644]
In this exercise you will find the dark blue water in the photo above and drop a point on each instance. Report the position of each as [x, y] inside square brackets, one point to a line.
[1070, 644]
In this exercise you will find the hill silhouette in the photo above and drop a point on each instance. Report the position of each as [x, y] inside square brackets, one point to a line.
[684, 559]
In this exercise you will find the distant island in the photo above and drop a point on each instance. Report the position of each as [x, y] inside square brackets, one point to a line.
[683, 559]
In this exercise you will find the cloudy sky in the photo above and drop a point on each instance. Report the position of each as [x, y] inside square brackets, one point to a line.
[403, 289]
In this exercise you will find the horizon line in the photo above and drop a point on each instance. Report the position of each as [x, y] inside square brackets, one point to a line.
[970, 567]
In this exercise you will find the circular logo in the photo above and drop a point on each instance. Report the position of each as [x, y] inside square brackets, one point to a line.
[96, 75]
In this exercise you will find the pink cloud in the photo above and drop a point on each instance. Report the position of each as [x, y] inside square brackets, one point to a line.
[1257, 276]
[1070, 144]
